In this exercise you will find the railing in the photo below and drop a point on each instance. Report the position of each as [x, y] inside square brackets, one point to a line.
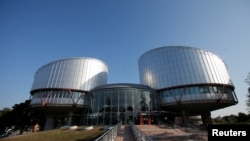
[139, 135]
[110, 134]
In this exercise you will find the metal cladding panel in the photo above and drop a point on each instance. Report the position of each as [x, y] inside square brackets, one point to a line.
[73, 73]
[177, 65]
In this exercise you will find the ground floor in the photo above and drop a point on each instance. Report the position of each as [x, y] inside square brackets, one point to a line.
[142, 118]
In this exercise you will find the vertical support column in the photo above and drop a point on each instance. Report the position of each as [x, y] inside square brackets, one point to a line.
[149, 120]
[69, 119]
[50, 122]
[184, 118]
[171, 118]
[206, 118]
[141, 120]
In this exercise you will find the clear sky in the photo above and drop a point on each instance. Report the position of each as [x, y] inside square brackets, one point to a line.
[36, 32]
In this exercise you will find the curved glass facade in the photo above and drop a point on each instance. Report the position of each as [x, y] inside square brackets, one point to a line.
[176, 65]
[120, 102]
[56, 97]
[198, 99]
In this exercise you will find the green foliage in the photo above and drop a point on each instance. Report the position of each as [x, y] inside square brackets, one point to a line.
[231, 119]
[241, 118]
[4, 111]
[20, 116]
[247, 80]
[59, 135]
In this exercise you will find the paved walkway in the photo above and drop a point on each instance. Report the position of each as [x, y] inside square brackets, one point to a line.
[170, 133]
[125, 134]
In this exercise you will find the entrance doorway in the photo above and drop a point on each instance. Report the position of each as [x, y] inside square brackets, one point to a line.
[145, 119]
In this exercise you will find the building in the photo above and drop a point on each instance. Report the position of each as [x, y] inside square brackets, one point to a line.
[60, 87]
[190, 81]
[176, 82]
[124, 102]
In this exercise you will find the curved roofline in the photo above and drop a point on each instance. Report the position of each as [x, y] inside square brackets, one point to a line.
[179, 46]
[122, 85]
[71, 58]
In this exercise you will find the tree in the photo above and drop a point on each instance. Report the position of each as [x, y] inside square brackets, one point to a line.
[247, 80]
[4, 111]
[231, 119]
[243, 118]
[5, 116]
[21, 116]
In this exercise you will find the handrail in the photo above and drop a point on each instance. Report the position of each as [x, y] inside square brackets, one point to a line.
[139, 135]
[110, 134]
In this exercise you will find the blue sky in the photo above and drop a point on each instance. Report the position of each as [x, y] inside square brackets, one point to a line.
[36, 32]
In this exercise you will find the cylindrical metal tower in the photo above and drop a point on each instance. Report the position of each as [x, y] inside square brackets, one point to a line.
[61, 86]
[188, 79]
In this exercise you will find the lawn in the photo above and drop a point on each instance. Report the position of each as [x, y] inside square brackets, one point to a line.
[59, 135]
